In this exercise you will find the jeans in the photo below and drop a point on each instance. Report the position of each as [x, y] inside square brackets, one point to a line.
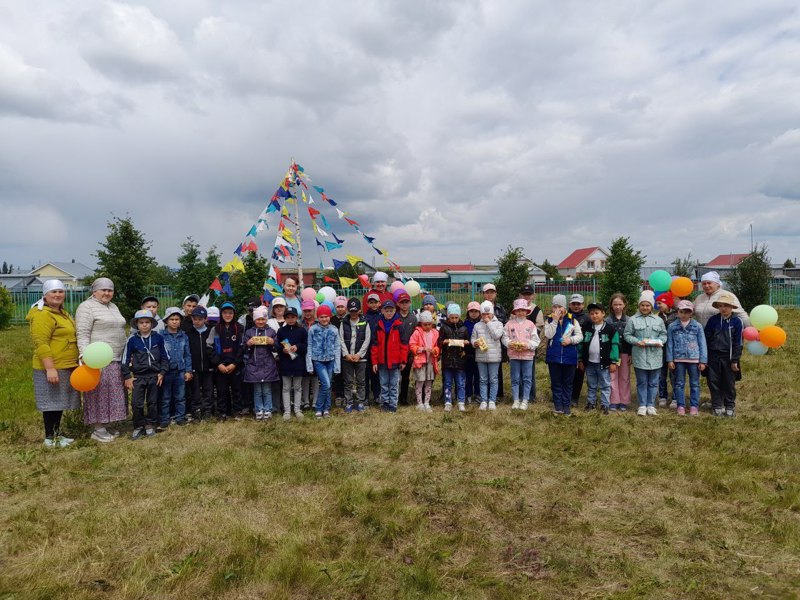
[520, 378]
[473, 380]
[678, 384]
[390, 384]
[531, 397]
[488, 373]
[598, 378]
[457, 376]
[173, 391]
[647, 386]
[262, 396]
[561, 378]
[324, 371]
[145, 391]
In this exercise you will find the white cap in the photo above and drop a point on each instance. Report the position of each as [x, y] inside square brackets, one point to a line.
[278, 301]
[213, 312]
[380, 276]
[488, 287]
[487, 308]
[711, 276]
[576, 298]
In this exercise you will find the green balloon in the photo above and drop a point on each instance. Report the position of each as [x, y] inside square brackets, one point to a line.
[98, 355]
[320, 297]
[763, 315]
[660, 280]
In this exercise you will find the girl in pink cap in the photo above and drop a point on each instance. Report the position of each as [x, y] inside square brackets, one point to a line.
[521, 339]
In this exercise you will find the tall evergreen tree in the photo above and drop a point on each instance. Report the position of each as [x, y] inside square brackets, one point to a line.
[750, 279]
[685, 267]
[5, 268]
[623, 272]
[250, 283]
[551, 270]
[191, 277]
[124, 257]
[513, 274]
[212, 265]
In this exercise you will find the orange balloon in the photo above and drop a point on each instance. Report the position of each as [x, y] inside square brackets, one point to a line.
[772, 336]
[682, 286]
[85, 379]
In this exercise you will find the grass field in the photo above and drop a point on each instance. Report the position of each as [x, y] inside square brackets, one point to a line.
[411, 505]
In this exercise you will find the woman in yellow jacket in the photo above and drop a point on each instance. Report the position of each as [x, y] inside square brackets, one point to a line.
[55, 356]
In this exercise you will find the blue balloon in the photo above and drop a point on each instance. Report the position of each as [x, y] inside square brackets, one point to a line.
[330, 305]
[657, 294]
[757, 348]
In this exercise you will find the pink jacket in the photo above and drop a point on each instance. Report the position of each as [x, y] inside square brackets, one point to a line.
[417, 346]
[521, 331]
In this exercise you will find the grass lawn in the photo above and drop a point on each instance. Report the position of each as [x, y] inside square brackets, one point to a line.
[411, 505]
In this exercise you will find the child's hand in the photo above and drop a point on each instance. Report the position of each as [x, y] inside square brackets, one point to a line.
[222, 369]
[613, 368]
[566, 341]
[486, 317]
[375, 368]
[187, 376]
[581, 366]
[446, 342]
[270, 341]
[641, 344]
[250, 342]
[160, 380]
[293, 348]
[671, 366]
[735, 366]
[129, 384]
[702, 367]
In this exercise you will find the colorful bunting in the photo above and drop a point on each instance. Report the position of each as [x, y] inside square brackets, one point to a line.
[331, 246]
[338, 264]
[346, 282]
[216, 285]
[353, 260]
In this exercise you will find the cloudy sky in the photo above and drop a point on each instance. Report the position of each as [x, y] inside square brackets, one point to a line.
[448, 129]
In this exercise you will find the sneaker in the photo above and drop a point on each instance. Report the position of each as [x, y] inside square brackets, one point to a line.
[181, 423]
[718, 412]
[326, 414]
[681, 411]
[651, 410]
[267, 415]
[523, 405]
[360, 407]
[287, 416]
[492, 405]
[642, 411]
[605, 410]
[102, 436]
[420, 406]
[662, 402]
[515, 405]
[448, 406]
[428, 407]
[149, 432]
[298, 415]
[162, 427]
[589, 406]
[730, 413]
[137, 433]
[348, 409]
[462, 407]
[693, 411]
[112, 432]
[613, 408]
[63, 441]
[558, 412]
[318, 414]
[484, 405]
[623, 408]
[50, 443]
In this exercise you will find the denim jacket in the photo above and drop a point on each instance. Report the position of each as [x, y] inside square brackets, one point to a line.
[323, 345]
[686, 343]
[177, 344]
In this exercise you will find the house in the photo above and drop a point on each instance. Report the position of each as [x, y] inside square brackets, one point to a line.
[443, 268]
[722, 264]
[19, 282]
[71, 273]
[584, 261]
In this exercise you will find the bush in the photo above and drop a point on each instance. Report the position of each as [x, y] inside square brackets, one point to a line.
[6, 308]
[750, 279]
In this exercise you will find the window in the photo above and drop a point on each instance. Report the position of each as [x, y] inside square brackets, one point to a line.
[590, 264]
[603, 265]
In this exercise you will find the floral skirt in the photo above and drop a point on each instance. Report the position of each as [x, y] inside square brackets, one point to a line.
[55, 396]
[108, 402]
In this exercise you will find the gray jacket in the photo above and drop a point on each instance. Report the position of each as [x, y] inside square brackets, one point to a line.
[493, 333]
[98, 322]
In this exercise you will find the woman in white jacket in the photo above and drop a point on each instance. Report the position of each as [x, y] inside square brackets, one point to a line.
[487, 337]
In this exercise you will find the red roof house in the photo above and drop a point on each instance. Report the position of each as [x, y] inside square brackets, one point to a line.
[584, 261]
[726, 261]
[443, 268]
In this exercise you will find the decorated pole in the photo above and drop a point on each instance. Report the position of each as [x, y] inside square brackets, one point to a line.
[297, 232]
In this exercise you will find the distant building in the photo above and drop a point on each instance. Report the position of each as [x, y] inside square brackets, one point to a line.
[584, 262]
[19, 282]
[71, 273]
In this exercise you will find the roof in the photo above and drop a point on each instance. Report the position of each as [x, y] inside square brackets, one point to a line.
[726, 260]
[76, 269]
[577, 257]
[443, 268]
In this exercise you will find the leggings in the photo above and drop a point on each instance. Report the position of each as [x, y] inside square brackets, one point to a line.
[52, 422]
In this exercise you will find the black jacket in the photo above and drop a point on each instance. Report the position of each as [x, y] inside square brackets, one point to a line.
[226, 341]
[202, 354]
[609, 345]
[144, 356]
[296, 335]
[454, 357]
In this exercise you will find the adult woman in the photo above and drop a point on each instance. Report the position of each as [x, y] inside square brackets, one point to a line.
[99, 320]
[55, 355]
[290, 285]
[704, 303]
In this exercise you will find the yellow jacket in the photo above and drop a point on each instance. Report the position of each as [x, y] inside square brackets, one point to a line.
[53, 334]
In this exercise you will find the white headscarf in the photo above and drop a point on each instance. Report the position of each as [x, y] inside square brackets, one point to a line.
[712, 276]
[49, 286]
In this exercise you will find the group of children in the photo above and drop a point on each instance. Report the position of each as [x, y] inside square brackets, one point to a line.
[200, 362]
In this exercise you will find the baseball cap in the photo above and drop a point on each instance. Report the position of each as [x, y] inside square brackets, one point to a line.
[194, 297]
[149, 299]
[353, 305]
[199, 311]
[388, 304]
[373, 297]
[308, 305]
[340, 301]
[403, 296]
[489, 287]
[526, 289]
[576, 298]
[290, 312]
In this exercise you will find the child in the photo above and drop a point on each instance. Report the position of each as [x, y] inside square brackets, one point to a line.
[487, 336]
[310, 381]
[621, 378]
[201, 396]
[389, 355]
[686, 354]
[646, 333]
[665, 303]
[151, 303]
[724, 340]
[454, 342]
[173, 389]
[372, 316]
[277, 312]
[521, 339]
[260, 367]
[355, 336]
[340, 315]
[472, 379]
[409, 320]
[145, 357]
[323, 357]
[563, 334]
[226, 341]
[189, 304]
[599, 356]
[429, 304]
[576, 302]
[424, 346]
[212, 317]
[293, 340]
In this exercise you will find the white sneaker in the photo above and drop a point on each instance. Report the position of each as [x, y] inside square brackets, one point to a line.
[492, 406]
[259, 415]
[298, 414]
[651, 410]
[318, 415]
[662, 402]
[420, 406]
[48, 443]
[267, 415]
[428, 407]
[523, 405]
[515, 405]
[462, 407]
[484, 405]
[642, 411]
[448, 406]
[102, 436]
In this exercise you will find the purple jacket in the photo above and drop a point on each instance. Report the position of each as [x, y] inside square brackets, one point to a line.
[259, 362]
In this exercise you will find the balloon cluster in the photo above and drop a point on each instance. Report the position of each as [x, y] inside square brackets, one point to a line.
[763, 334]
[325, 296]
[96, 356]
[661, 281]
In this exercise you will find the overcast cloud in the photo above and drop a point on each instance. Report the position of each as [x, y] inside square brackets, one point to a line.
[448, 129]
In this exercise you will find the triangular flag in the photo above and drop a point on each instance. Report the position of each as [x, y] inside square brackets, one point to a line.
[313, 212]
[266, 297]
[331, 246]
[284, 212]
[338, 264]
[303, 196]
[346, 282]
[319, 243]
[338, 241]
[319, 189]
[215, 285]
[353, 259]
[378, 250]
[227, 290]
[324, 222]
[262, 226]
[340, 213]
[327, 279]
[238, 250]
[351, 221]
[369, 239]
[253, 231]
[321, 266]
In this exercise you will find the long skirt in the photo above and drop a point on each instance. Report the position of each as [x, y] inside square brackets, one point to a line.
[55, 396]
[108, 402]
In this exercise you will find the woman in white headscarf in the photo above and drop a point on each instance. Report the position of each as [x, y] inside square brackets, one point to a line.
[99, 320]
[704, 303]
[55, 356]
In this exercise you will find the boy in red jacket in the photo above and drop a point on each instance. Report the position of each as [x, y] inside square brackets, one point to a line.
[389, 354]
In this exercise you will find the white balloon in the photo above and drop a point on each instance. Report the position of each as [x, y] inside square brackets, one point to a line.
[413, 288]
[328, 292]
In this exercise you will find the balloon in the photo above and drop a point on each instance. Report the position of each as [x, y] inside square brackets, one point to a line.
[772, 336]
[397, 293]
[330, 305]
[757, 348]
[98, 355]
[762, 316]
[308, 293]
[364, 279]
[85, 379]
[750, 334]
[660, 280]
[328, 293]
[657, 293]
[682, 286]
[412, 287]
[396, 285]
[320, 297]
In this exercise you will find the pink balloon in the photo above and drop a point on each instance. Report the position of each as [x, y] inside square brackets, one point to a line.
[751, 334]
[397, 285]
[309, 293]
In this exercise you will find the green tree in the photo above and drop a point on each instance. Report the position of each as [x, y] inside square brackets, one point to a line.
[6, 308]
[251, 282]
[750, 279]
[125, 258]
[213, 266]
[623, 272]
[685, 267]
[788, 264]
[191, 276]
[163, 275]
[513, 274]
[5, 268]
[551, 270]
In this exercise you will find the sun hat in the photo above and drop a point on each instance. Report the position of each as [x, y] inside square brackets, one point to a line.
[522, 304]
[172, 310]
[142, 314]
[725, 298]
